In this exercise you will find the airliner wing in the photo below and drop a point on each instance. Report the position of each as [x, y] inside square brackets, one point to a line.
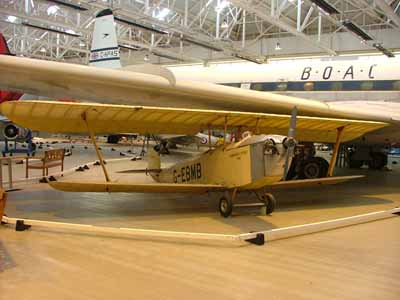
[56, 79]
[69, 117]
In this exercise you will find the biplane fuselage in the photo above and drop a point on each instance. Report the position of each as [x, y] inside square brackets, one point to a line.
[236, 165]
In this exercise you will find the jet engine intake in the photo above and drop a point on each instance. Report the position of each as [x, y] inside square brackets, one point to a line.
[14, 132]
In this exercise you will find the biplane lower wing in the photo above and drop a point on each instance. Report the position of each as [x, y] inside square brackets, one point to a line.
[300, 183]
[120, 187]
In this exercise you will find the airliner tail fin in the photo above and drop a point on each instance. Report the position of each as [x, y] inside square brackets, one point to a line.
[104, 50]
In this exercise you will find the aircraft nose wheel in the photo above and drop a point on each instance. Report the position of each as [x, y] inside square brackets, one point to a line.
[225, 207]
[270, 203]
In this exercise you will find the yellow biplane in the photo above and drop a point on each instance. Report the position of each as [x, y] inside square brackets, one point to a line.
[257, 163]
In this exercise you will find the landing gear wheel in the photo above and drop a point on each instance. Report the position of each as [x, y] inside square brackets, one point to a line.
[225, 207]
[270, 203]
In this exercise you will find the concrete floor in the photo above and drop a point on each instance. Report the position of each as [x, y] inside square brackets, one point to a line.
[358, 262]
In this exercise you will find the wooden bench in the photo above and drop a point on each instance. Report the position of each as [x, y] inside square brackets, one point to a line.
[3, 199]
[52, 158]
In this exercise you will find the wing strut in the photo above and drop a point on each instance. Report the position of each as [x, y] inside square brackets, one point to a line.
[209, 136]
[225, 128]
[99, 155]
[291, 141]
[332, 163]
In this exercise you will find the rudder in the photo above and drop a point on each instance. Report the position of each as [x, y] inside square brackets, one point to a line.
[104, 51]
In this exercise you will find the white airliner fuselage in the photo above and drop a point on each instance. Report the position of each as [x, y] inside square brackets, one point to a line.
[369, 84]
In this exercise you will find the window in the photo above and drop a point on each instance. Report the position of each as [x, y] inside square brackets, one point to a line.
[396, 85]
[367, 85]
[257, 86]
[281, 86]
[336, 86]
[232, 84]
[309, 86]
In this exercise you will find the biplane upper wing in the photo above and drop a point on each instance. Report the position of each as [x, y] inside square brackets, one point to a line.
[69, 117]
[120, 187]
[300, 183]
[63, 80]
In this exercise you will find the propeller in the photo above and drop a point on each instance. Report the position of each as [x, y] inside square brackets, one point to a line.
[290, 141]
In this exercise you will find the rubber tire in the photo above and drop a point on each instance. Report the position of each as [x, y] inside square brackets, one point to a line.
[113, 139]
[355, 164]
[270, 203]
[225, 207]
[324, 165]
[320, 165]
[292, 172]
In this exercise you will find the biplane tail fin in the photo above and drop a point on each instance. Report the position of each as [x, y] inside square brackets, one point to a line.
[153, 162]
[104, 51]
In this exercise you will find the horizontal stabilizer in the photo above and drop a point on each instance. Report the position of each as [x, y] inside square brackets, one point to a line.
[133, 171]
[120, 187]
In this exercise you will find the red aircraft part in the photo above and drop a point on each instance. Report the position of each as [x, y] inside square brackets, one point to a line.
[7, 95]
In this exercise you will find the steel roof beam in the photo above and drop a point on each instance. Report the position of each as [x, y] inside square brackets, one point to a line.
[388, 11]
[249, 6]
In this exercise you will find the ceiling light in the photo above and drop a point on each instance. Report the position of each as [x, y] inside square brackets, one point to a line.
[82, 44]
[146, 57]
[143, 26]
[52, 29]
[162, 13]
[12, 19]
[385, 51]
[278, 46]
[224, 24]
[167, 56]
[245, 57]
[357, 30]
[52, 10]
[129, 47]
[223, 4]
[70, 31]
[43, 49]
[326, 7]
[69, 4]
[202, 44]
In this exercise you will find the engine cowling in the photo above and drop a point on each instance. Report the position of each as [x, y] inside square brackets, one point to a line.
[14, 132]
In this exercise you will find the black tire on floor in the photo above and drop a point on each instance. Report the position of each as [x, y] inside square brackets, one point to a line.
[325, 166]
[315, 167]
[270, 203]
[379, 160]
[355, 164]
[113, 139]
[225, 207]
